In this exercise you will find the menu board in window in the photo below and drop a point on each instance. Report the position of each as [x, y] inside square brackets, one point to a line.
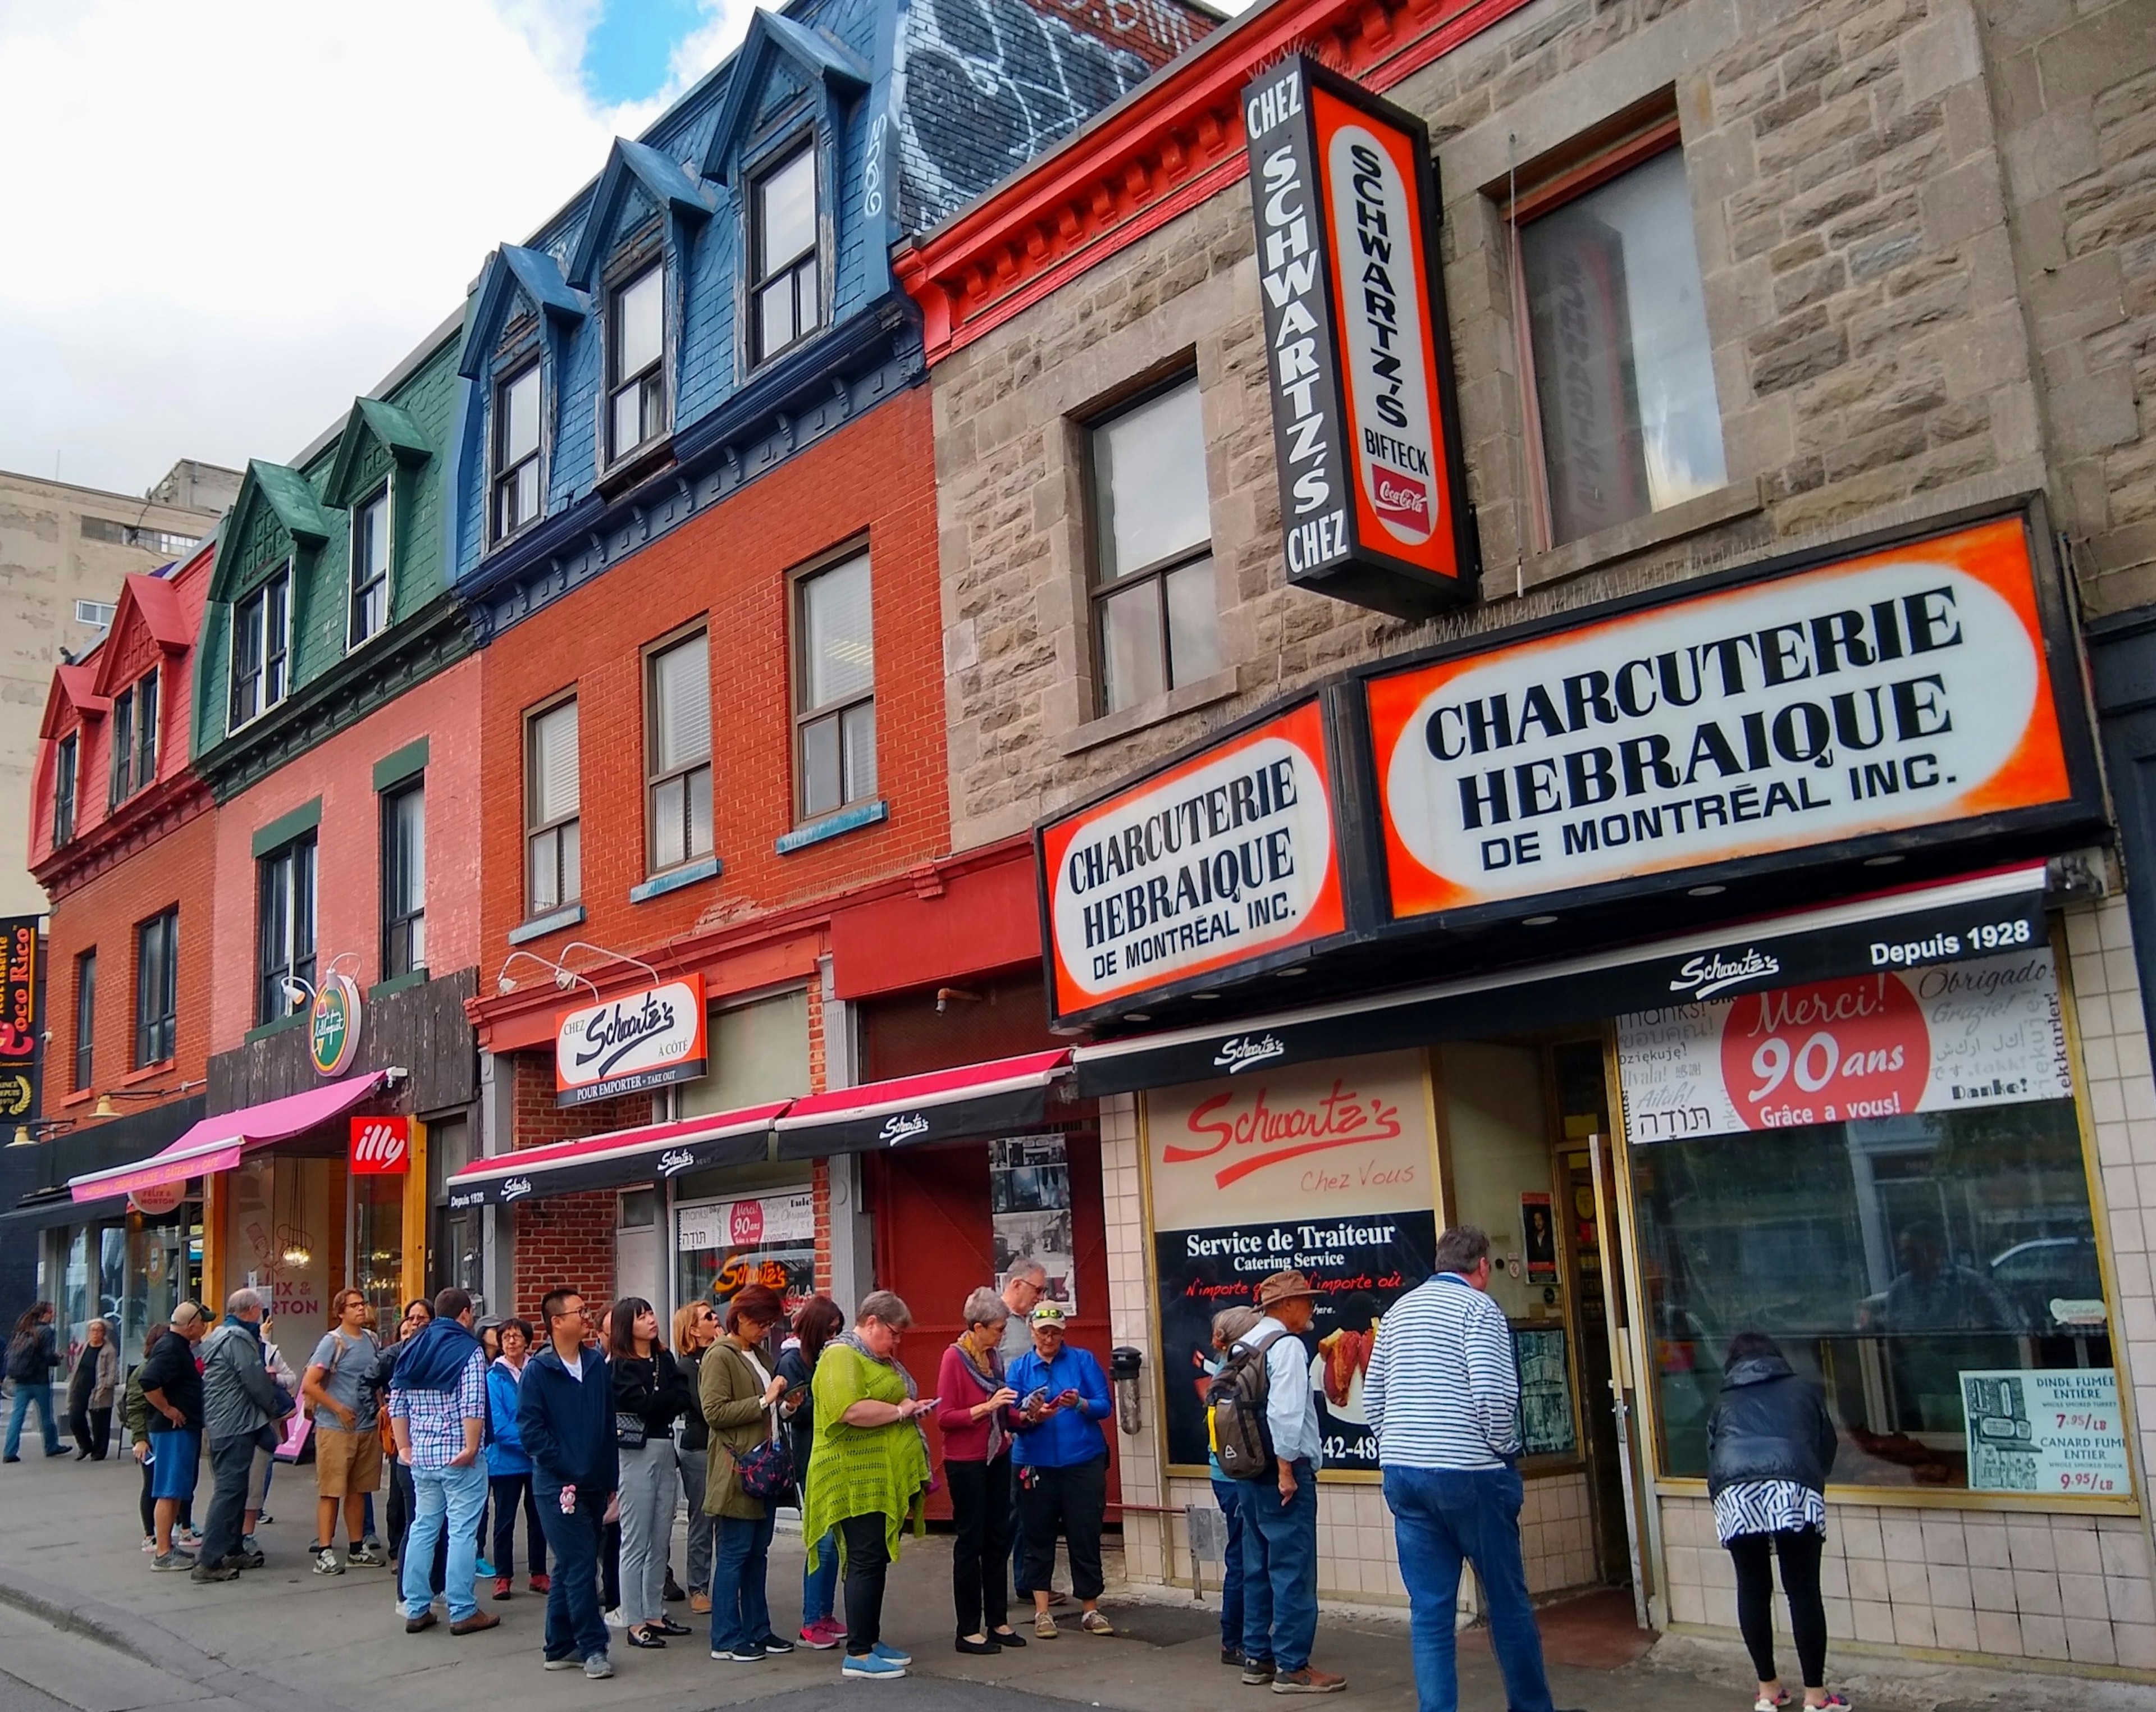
[1546, 1422]
[769, 1240]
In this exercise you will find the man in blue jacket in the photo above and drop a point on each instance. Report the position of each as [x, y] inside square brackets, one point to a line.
[1062, 1461]
[565, 1416]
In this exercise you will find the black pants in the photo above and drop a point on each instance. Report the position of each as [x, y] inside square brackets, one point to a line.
[980, 1557]
[92, 1428]
[610, 1567]
[1799, 1550]
[1072, 1502]
[509, 1490]
[231, 1462]
[149, 1505]
[868, 1560]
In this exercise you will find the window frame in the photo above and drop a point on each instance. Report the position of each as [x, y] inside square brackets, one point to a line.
[804, 717]
[653, 374]
[1100, 588]
[257, 600]
[136, 713]
[535, 830]
[500, 476]
[67, 787]
[763, 274]
[356, 592]
[160, 1028]
[120, 741]
[267, 865]
[85, 1066]
[653, 778]
[403, 930]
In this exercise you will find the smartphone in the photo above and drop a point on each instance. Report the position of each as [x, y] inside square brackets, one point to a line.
[1036, 1399]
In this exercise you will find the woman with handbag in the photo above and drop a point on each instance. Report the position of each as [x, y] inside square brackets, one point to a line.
[649, 1396]
[749, 1468]
[975, 1409]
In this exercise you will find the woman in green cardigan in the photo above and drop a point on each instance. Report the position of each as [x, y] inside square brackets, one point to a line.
[868, 1469]
[740, 1395]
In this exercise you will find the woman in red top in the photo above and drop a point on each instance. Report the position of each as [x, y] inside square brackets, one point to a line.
[976, 1413]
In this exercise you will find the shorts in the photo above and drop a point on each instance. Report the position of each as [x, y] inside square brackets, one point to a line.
[346, 1463]
[175, 1462]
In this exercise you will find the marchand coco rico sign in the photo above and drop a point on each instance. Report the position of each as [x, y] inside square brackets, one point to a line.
[1365, 430]
[646, 1040]
[1222, 858]
[1809, 708]
[18, 1016]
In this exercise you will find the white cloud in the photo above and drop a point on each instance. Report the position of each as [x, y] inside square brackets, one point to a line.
[226, 219]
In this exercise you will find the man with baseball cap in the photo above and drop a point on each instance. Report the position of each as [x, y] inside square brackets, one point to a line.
[1280, 1535]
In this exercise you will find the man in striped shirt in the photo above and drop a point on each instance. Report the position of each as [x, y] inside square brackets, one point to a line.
[1443, 1397]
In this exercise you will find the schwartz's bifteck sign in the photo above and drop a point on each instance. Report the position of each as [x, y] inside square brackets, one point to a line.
[1373, 488]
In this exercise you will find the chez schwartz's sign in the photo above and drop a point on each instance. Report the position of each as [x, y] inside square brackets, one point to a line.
[1223, 859]
[1365, 429]
[1816, 708]
[646, 1040]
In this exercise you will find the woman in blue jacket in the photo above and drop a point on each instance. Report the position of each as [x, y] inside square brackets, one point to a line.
[1062, 1458]
[508, 1469]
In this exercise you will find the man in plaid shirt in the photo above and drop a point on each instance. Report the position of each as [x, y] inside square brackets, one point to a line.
[437, 1410]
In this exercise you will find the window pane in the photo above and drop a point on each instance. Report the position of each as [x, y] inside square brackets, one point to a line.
[808, 311]
[700, 812]
[408, 842]
[775, 317]
[786, 212]
[668, 845]
[555, 775]
[627, 420]
[1131, 647]
[572, 884]
[639, 333]
[371, 541]
[651, 412]
[1193, 623]
[303, 905]
[838, 641]
[1149, 477]
[822, 776]
[524, 503]
[1624, 378]
[145, 731]
[519, 417]
[680, 706]
[859, 723]
[541, 887]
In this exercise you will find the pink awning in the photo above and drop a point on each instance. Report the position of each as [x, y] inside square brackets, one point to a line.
[217, 1143]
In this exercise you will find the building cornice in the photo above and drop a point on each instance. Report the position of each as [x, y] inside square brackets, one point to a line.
[1169, 145]
[142, 821]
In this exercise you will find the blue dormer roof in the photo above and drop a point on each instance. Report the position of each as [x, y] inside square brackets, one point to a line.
[631, 165]
[823, 61]
[513, 268]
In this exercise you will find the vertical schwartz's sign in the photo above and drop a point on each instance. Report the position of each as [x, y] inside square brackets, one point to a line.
[1902, 689]
[18, 1017]
[1372, 492]
[647, 1040]
[1225, 857]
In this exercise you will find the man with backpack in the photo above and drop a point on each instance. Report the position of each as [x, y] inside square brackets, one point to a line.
[340, 1384]
[1265, 1426]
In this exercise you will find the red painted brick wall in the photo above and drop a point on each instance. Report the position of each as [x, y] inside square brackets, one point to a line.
[565, 1241]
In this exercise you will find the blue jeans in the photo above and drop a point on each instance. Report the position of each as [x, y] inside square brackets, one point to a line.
[1280, 1571]
[42, 1396]
[820, 1585]
[575, 1629]
[457, 1494]
[740, 1613]
[1441, 1516]
[1228, 1495]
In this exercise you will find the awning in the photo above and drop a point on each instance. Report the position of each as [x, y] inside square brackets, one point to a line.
[55, 1207]
[994, 1098]
[217, 1143]
[620, 1157]
[1977, 917]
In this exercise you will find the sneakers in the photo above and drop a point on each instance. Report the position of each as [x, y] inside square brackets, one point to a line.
[1257, 1673]
[1096, 1624]
[1044, 1628]
[250, 1554]
[889, 1655]
[367, 1555]
[326, 1564]
[175, 1559]
[598, 1667]
[873, 1667]
[748, 1653]
[571, 1663]
[818, 1637]
[502, 1590]
[1308, 1680]
[614, 1620]
[700, 1604]
[482, 1570]
[213, 1572]
[776, 1645]
[1232, 1656]
[150, 1544]
[539, 1584]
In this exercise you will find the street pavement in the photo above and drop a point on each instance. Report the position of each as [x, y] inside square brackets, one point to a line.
[85, 1624]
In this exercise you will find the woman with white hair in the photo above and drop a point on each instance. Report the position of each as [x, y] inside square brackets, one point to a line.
[974, 1407]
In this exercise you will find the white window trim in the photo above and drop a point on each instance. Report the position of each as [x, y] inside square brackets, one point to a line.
[611, 457]
[232, 661]
[387, 494]
[776, 159]
[497, 385]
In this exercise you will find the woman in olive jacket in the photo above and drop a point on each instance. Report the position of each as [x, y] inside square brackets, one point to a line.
[739, 1394]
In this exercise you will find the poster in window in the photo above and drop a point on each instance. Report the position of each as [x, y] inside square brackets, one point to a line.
[1546, 1424]
[769, 1240]
[2045, 1430]
[1029, 1212]
[1539, 1231]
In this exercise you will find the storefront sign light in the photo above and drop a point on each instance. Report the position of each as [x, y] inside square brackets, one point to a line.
[650, 1039]
[333, 1024]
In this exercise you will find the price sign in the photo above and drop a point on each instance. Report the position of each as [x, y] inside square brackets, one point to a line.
[2045, 1429]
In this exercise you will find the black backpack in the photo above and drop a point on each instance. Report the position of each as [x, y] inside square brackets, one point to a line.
[1235, 1410]
[25, 1358]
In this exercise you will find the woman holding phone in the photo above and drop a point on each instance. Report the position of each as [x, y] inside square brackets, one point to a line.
[974, 1409]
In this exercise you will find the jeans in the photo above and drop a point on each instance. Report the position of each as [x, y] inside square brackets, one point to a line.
[1279, 1572]
[1799, 1550]
[1073, 1501]
[819, 1584]
[980, 1506]
[444, 1498]
[1228, 1495]
[741, 1612]
[703, 1529]
[231, 1461]
[1441, 1516]
[646, 1526]
[575, 1629]
[868, 1562]
[510, 1490]
[26, 1395]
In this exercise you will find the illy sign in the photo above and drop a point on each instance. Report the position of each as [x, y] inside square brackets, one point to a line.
[381, 1147]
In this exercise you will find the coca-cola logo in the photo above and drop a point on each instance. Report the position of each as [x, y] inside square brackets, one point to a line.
[1399, 499]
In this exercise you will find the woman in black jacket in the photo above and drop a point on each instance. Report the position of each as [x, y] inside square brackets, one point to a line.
[1769, 1447]
[650, 1394]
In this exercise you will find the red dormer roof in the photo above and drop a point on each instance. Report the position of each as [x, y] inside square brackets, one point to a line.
[149, 616]
[72, 696]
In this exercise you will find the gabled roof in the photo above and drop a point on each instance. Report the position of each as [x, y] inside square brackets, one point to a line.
[289, 496]
[510, 269]
[384, 423]
[666, 182]
[823, 61]
[157, 602]
[74, 688]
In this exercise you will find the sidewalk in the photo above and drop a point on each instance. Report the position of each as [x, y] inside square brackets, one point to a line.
[69, 1553]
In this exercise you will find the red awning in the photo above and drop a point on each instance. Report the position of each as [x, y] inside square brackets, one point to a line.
[217, 1143]
[994, 1098]
[642, 1154]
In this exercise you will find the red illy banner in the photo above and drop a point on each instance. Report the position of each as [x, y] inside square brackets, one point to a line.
[381, 1147]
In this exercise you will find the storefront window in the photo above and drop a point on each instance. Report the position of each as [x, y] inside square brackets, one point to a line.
[157, 1269]
[378, 1247]
[79, 1288]
[758, 1052]
[721, 1246]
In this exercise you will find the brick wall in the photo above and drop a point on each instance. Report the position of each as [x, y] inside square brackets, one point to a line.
[566, 1241]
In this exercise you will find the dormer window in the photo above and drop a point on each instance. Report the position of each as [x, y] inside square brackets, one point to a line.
[636, 343]
[788, 304]
[370, 568]
[261, 649]
[134, 739]
[516, 498]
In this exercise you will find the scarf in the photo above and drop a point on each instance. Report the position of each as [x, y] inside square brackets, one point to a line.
[990, 1381]
[434, 1357]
